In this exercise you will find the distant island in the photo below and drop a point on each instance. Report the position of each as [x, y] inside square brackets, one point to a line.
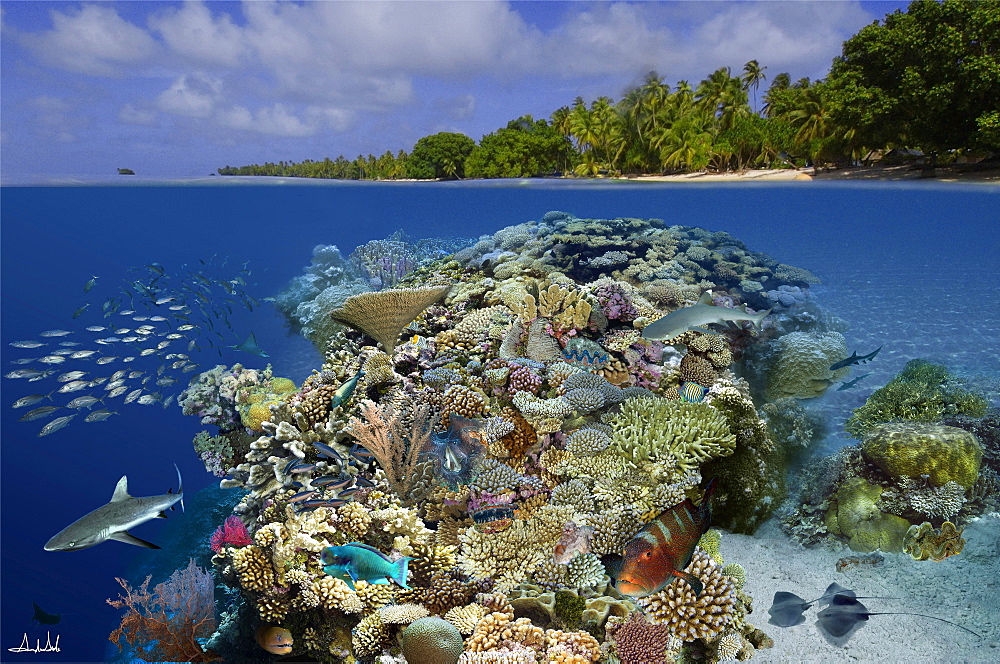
[126, 171]
[899, 93]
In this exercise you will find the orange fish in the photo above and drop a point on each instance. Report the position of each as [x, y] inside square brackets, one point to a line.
[663, 548]
[275, 640]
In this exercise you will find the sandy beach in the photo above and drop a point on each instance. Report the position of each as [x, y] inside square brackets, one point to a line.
[860, 174]
[962, 589]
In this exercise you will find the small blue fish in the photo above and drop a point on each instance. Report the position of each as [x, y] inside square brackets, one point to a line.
[327, 451]
[345, 391]
[361, 454]
[350, 491]
[356, 561]
[335, 483]
[302, 495]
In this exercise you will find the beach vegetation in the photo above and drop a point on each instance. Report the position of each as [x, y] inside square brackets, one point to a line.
[924, 80]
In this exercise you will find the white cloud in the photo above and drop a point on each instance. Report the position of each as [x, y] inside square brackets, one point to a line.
[53, 118]
[129, 114]
[192, 31]
[194, 95]
[461, 107]
[94, 40]
[281, 120]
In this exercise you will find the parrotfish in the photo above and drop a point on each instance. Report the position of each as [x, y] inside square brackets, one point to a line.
[355, 561]
[345, 391]
[663, 548]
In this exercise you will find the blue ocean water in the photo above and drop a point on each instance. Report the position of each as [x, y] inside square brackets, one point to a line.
[913, 268]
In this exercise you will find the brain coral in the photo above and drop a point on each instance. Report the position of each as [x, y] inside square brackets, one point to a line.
[911, 449]
[431, 640]
[800, 367]
[855, 515]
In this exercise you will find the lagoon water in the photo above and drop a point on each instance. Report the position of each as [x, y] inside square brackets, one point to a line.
[913, 268]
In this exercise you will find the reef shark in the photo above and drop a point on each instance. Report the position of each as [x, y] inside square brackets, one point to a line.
[855, 359]
[696, 317]
[112, 521]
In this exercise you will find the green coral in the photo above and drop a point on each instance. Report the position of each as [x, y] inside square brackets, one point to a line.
[856, 516]
[677, 434]
[431, 640]
[801, 364]
[752, 479]
[738, 573]
[911, 449]
[922, 392]
[711, 543]
[569, 608]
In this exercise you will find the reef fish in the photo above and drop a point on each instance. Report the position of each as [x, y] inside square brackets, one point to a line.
[663, 548]
[575, 539]
[855, 359]
[355, 561]
[275, 640]
[345, 391]
[697, 316]
[692, 392]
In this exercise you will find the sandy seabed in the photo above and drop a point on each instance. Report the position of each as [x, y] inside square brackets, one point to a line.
[963, 589]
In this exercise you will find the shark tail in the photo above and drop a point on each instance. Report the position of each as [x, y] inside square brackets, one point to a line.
[398, 571]
[180, 485]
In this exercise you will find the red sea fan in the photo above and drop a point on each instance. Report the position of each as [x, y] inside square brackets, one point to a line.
[166, 625]
[233, 532]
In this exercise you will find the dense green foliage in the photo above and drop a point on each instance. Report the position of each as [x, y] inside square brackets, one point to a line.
[926, 79]
[440, 155]
[524, 148]
[922, 392]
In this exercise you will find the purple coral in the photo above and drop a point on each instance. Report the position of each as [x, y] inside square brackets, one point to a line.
[615, 302]
[384, 262]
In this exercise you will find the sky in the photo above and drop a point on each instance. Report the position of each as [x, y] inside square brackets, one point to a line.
[174, 89]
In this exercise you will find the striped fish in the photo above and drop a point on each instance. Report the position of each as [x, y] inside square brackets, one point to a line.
[692, 392]
[663, 548]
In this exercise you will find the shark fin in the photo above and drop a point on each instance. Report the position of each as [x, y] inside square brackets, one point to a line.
[706, 298]
[132, 539]
[121, 490]
[162, 515]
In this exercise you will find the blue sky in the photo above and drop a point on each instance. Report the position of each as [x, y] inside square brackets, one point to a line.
[182, 88]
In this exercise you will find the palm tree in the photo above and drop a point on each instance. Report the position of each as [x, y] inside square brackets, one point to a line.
[753, 74]
[811, 118]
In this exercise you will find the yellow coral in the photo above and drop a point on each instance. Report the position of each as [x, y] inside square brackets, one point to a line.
[855, 515]
[711, 543]
[334, 594]
[465, 618]
[253, 567]
[912, 449]
[256, 414]
[369, 636]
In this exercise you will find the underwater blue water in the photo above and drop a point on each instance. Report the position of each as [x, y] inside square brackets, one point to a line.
[912, 267]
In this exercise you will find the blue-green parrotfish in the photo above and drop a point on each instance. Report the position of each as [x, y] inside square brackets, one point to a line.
[345, 391]
[355, 561]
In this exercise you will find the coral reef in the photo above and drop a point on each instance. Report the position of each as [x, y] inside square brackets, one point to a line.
[910, 449]
[520, 431]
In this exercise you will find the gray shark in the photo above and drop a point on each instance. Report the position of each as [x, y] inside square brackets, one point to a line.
[112, 521]
[695, 317]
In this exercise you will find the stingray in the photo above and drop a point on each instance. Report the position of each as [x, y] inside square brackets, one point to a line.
[845, 612]
[787, 609]
[250, 346]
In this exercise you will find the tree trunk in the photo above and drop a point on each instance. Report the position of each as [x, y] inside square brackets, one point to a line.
[928, 168]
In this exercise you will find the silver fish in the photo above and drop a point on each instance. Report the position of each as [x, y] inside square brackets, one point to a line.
[29, 400]
[147, 379]
[42, 375]
[70, 343]
[140, 318]
[135, 374]
[39, 413]
[127, 312]
[80, 354]
[23, 373]
[99, 415]
[113, 384]
[97, 381]
[123, 330]
[164, 300]
[117, 392]
[121, 373]
[144, 332]
[177, 307]
[189, 368]
[133, 395]
[90, 284]
[129, 340]
[162, 345]
[107, 359]
[54, 333]
[79, 312]
[147, 351]
[169, 400]
[27, 344]
[52, 359]
[148, 399]
[24, 360]
[56, 424]
[178, 364]
[174, 335]
[96, 328]
[71, 375]
[157, 319]
[73, 386]
[185, 328]
[85, 401]
[107, 341]
[128, 359]
[63, 351]
[166, 380]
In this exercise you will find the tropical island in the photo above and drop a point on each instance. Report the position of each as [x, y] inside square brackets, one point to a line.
[918, 88]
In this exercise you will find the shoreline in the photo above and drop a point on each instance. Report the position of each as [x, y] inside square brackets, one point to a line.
[853, 174]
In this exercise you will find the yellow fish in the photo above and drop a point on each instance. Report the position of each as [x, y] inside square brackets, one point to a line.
[276, 640]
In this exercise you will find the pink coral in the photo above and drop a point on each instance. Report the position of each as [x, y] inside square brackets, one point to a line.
[233, 532]
[637, 641]
[615, 302]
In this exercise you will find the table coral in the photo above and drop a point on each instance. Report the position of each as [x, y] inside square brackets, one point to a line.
[382, 315]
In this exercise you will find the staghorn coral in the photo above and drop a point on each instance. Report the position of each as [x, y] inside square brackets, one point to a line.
[382, 315]
[507, 556]
[679, 436]
[690, 617]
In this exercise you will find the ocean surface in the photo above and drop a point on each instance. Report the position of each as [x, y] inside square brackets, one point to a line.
[912, 268]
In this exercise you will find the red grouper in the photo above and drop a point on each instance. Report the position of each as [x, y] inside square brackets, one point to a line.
[663, 548]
